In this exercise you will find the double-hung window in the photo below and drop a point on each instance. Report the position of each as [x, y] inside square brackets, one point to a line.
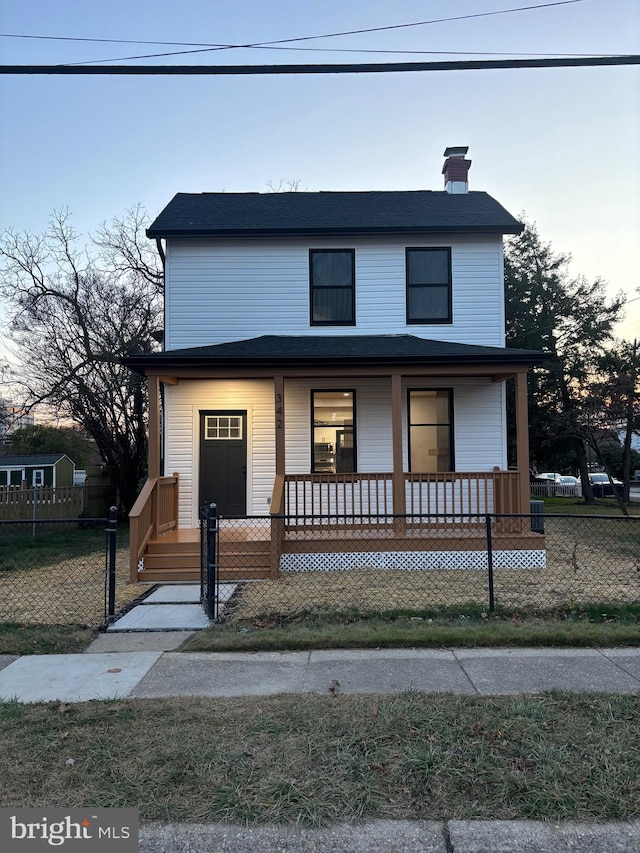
[429, 285]
[333, 435]
[430, 430]
[332, 287]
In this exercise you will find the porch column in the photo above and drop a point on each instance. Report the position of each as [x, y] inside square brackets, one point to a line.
[399, 503]
[277, 498]
[278, 382]
[153, 458]
[522, 439]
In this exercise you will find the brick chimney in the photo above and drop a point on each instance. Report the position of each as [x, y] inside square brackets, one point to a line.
[456, 169]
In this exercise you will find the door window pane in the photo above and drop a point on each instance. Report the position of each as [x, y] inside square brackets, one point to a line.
[219, 426]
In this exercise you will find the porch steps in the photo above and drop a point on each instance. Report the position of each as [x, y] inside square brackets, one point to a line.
[169, 559]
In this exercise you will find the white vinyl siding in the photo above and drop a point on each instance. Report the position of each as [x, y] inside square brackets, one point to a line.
[479, 430]
[219, 291]
[182, 439]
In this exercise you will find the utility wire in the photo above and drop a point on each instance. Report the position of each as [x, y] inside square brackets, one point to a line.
[334, 68]
[321, 49]
[209, 48]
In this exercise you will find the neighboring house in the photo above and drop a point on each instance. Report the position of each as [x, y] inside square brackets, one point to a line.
[333, 353]
[45, 469]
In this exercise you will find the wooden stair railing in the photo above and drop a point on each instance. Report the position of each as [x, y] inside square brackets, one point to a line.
[154, 512]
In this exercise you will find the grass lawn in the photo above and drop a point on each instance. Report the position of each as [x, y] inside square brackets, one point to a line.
[18, 639]
[576, 506]
[592, 626]
[22, 548]
[58, 576]
[316, 759]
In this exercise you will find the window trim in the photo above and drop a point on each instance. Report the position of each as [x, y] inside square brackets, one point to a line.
[351, 391]
[448, 320]
[312, 288]
[35, 471]
[452, 446]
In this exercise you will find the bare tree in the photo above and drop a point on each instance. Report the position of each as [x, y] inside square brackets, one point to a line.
[74, 314]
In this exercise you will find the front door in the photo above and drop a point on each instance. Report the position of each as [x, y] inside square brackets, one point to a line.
[223, 461]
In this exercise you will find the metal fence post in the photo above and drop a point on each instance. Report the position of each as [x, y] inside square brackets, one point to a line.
[111, 563]
[209, 568]
[212, 560]
[490, 563]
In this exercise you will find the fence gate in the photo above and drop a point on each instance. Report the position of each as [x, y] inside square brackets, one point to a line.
[209, 566]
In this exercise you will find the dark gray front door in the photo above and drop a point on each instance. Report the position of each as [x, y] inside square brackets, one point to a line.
[223, 460]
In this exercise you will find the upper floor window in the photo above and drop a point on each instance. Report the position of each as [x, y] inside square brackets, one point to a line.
[332, 286]
[429, 285]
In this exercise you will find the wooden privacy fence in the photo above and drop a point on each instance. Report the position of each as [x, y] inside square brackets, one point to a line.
[43, 502]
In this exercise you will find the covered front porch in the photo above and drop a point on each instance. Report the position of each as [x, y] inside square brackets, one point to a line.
[394, 514]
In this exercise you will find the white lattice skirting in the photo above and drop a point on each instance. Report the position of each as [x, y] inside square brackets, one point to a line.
[411, 561]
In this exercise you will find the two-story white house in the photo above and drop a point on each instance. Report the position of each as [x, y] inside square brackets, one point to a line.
[330, 354]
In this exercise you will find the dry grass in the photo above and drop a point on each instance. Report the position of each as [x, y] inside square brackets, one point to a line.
[68, 592]
[587, 561]
[317, 759]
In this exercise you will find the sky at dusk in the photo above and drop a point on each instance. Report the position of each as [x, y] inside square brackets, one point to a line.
[561, 145]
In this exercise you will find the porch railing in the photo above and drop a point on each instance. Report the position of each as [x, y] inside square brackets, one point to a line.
[337, 494]
[154, 512]
[470, 494]
[467, 493]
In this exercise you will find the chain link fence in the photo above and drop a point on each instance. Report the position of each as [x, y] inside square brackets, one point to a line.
[383, 564]
[57, 572]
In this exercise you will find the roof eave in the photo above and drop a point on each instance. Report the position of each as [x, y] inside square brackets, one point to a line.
[163, 361]
[166, 233]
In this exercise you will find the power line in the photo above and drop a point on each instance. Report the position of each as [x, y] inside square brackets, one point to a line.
[333, 68]
[300, 38]
[204, 48]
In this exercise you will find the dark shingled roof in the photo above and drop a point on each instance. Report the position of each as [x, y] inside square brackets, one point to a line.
[325, 213]
[325, 349]
[31, 461]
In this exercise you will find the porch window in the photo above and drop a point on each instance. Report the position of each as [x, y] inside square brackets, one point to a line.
[428, 285]
[332, 286]
[430, 431]
[37, 478]
[333, 432]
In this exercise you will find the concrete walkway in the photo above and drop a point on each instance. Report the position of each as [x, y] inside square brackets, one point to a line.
[152, 671]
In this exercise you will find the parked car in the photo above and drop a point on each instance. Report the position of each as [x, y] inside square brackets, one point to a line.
[548, 476]
[602, 486]
[568, 486]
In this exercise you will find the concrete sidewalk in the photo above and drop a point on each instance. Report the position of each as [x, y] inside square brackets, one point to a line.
[402, 836]
[152, 672]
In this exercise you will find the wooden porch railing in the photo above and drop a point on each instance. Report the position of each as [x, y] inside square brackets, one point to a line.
[307, 495]
[154, 512]
[462, 493]
[304, 496]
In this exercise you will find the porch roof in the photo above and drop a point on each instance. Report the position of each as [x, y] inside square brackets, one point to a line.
[307, 350]
[324, 213]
